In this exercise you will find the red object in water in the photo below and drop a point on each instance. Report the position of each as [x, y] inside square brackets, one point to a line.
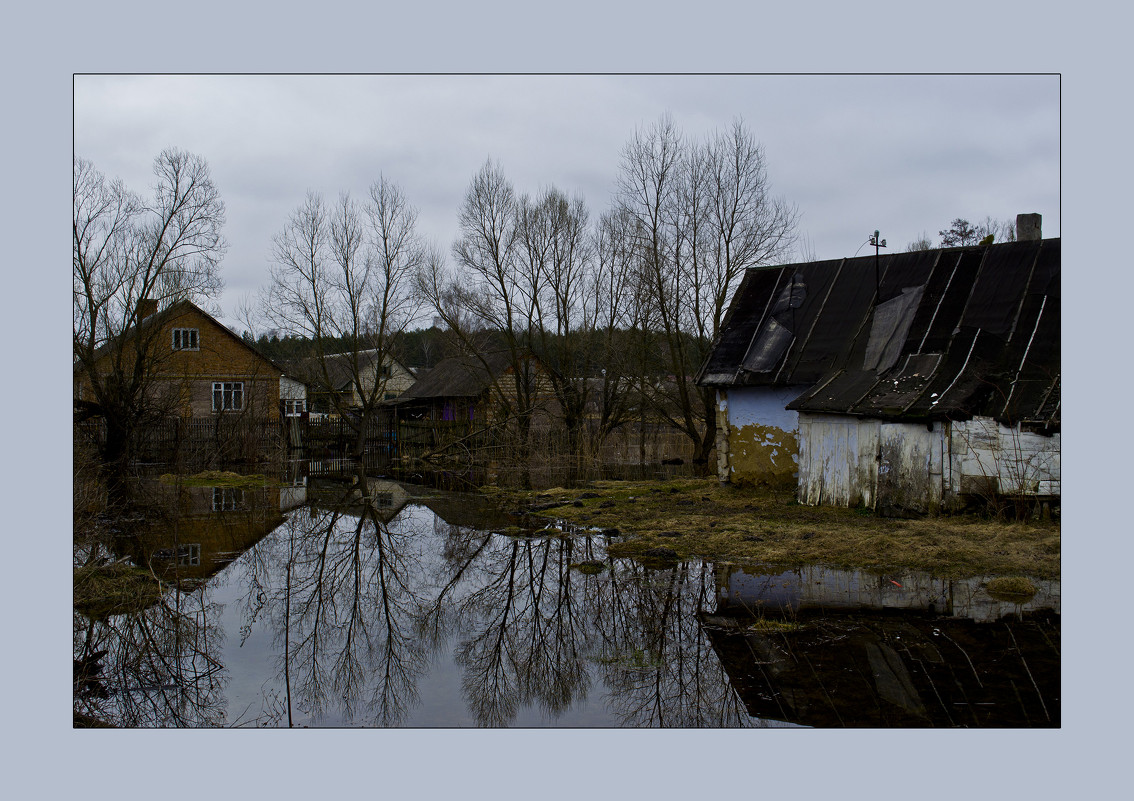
[896, 584]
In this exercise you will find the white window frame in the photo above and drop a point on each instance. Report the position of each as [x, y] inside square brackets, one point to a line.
[229, 393]
[227, 499]
[294, 407]
[186, 339]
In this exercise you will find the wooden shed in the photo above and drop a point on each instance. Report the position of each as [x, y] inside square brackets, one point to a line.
[906, 382]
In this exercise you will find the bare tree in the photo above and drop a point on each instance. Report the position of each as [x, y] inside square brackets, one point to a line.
[499, 296]
[703, 213]
[923, 242]
[131, 257]
[962, 232]
[343, 274]
[621, 307]
[556, 259]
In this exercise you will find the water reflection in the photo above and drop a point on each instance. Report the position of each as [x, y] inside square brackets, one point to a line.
[831, 648]
[156, 667]
[380, 604]
[338, 589]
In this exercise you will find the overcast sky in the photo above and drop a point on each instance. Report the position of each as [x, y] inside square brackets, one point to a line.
[904, 154]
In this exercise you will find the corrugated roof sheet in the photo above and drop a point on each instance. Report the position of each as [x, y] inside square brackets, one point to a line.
[954, 332]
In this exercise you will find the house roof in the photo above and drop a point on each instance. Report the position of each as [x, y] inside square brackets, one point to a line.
[955, 332]
[463, 376]
[176, 309]
[339, 368]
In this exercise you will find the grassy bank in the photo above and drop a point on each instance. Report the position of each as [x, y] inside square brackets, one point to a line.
[701, 518]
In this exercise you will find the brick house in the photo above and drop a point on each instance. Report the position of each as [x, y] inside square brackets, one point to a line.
[202, 369]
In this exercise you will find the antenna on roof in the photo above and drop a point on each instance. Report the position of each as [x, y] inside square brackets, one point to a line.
[878, 243]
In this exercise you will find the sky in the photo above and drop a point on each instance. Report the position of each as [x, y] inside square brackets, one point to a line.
[904, 154]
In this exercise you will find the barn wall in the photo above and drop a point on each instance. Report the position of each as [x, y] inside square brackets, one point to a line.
[756, 436]
[990, 457]
[838, 460]
[911, 467]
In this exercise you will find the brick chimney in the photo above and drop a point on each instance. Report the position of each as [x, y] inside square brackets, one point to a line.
[1028, 227]
[145, 307]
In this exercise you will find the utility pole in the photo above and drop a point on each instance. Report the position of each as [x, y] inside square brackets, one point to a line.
[878, 243]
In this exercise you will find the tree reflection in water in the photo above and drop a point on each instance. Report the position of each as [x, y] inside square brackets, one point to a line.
[340, 588]
[356, 606]
[535, 632]
[658, 666]
[152, 668]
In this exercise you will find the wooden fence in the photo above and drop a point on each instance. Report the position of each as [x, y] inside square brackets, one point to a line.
[389, 443]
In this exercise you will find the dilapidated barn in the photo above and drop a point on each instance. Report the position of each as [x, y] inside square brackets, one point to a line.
[903, 382]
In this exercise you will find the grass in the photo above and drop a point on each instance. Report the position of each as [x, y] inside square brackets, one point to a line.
[104, 590]
[702, 518]
[1010, 588]
[217, 478]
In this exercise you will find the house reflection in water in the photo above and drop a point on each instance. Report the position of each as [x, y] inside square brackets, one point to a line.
[197, 531]
[829, 648]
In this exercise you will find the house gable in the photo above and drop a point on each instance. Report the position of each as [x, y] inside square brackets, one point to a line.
[195, 357]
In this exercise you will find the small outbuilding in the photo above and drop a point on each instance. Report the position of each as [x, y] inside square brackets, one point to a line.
[903, 382]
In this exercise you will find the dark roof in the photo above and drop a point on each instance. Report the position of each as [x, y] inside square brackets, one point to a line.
[464, 376]
[956, 332]
[338, 368]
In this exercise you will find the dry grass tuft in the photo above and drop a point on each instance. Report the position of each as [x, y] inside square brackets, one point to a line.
[702, 518]
[115, 589]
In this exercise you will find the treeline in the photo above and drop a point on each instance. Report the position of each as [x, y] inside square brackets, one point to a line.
[422, 348]
[602, 318]
[608, 314]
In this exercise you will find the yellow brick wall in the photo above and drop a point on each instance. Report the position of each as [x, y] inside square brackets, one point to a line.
[221, 356]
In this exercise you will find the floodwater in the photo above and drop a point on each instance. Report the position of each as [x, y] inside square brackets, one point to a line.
[324, 605]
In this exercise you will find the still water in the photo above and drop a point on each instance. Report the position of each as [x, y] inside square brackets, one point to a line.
[399, 606]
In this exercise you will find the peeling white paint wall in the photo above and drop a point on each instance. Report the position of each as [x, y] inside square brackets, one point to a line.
[756, 435]
[826, 588]
[1021, 462]
[848, 461]
[838, 460]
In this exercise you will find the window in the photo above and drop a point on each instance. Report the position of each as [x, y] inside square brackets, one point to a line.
[294, 408]
[184, 554]
[228, 396]
[227, 499]
[185, 339]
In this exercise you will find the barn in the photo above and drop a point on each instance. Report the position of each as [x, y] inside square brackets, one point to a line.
[905, 382]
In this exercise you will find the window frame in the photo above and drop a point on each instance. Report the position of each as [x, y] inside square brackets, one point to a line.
[229, 391]
[228, 499]
[192, 334]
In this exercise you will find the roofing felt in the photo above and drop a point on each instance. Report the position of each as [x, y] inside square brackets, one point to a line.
[951, 332]
[465, 376]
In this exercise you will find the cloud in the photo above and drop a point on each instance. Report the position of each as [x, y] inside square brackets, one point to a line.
[904, 154]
